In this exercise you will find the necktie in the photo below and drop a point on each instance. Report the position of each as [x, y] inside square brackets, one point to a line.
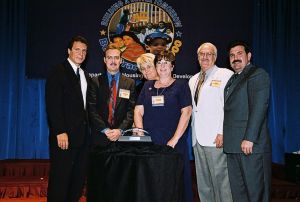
[78, 78]
[229, 83]
[78, 75]
[112, 100]
[199, 85]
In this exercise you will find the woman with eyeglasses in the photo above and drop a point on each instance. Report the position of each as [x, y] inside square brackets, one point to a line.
[163, 109]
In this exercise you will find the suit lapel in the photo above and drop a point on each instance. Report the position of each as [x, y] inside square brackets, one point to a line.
[235, 83]
[122, 85]
[232, 86]
[74, 81]
[87, 77]
[104, 90]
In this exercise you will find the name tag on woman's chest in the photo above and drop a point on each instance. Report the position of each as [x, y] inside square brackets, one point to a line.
[158, 101]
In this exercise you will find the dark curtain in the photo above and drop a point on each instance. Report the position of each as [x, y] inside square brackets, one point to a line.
[23, 126]
[23, 131]
[276, 42]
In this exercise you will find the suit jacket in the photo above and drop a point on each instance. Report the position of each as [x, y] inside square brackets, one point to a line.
[207, 115]
[64, 105]
[245, 111]
[98, 99]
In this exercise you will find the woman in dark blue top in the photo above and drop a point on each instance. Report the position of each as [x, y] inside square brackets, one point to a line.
[164, 109]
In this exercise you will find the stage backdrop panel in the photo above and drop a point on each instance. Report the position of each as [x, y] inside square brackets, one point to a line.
[189, 23]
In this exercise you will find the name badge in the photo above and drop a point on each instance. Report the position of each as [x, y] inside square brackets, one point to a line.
[215, 83]
[158, 100]
[123, 93]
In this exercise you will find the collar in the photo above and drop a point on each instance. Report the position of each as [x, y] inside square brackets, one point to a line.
[247, 66]
[73, 65]
[117, 76]
[209, 71]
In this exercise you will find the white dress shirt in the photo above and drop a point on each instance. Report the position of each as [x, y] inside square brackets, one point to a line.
[83, 82]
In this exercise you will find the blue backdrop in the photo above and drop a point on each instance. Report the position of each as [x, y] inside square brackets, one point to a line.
[273, 28]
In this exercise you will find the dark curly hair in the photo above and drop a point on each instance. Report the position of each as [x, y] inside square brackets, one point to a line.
[166, 55]
[239, 43]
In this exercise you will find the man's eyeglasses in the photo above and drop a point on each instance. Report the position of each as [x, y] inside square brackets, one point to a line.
[112, 57]
[209, 55]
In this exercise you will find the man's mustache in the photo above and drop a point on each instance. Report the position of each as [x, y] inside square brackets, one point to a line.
[236, 61]
[113, 64]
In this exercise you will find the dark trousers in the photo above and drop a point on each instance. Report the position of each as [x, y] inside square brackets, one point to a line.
[250, 177]
[67, 173]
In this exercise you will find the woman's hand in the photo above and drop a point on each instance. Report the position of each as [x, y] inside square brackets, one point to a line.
[172, 142]
[138, 132]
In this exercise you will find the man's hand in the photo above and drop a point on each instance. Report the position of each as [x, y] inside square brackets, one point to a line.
[113, 135]
[219, 141]
[247, 147]
[62, 141]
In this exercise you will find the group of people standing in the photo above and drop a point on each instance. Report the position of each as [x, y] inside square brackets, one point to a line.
[230, 138]
[229, 119]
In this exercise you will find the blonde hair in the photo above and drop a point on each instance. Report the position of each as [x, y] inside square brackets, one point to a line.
[146, 58]
[112, 46]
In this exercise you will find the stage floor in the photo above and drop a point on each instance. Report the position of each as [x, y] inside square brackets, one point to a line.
[15, 170]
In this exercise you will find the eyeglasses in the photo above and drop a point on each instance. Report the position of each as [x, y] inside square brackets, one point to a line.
[147, 67]
[163, 62]
[112, 57]
[209, 55]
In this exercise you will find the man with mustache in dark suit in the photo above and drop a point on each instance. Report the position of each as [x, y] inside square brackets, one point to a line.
[111, 99]
[246, 136]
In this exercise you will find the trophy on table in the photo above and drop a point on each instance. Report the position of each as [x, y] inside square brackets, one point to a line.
[135, 135]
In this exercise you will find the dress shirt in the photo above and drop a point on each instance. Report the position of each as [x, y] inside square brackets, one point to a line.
[117, 77]
[83, 82]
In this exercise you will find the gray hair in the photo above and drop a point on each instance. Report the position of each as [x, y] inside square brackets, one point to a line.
[208, 44]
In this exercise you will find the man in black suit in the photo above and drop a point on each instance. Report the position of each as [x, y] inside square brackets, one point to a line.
[66, 88]
[246, 137]
[109, 118]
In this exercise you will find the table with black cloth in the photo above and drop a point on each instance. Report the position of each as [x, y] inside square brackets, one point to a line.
[124, 172]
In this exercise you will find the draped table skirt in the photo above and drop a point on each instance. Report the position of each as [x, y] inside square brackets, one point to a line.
[135, 173]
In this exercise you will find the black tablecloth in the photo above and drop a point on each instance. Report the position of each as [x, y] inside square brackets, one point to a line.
[135, 173]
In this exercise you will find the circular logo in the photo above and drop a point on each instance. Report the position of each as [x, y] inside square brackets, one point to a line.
[140, 27]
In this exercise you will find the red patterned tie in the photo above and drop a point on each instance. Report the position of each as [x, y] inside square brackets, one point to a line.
[112, 100]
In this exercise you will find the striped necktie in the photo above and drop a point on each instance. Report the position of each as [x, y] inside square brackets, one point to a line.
[199, 85]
